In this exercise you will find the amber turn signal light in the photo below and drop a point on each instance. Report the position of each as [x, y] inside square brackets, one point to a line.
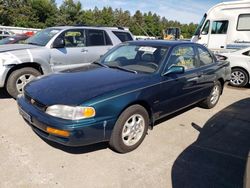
[57, 132]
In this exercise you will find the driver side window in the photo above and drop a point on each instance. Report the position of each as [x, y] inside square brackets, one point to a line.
[205, 29]
[74, 38]
[183, 56]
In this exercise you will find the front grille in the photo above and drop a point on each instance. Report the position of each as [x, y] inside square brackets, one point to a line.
[35, 103]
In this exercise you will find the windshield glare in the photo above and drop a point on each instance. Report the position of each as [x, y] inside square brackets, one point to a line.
[42, 37]
[145, 59]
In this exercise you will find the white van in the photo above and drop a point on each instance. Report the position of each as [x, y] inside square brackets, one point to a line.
[225, 26]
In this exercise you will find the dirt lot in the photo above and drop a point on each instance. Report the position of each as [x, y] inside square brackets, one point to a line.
[198, 148]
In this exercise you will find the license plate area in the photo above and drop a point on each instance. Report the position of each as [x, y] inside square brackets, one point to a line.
[25, 115]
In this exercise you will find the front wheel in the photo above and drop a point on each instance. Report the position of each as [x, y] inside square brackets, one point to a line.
[130, 129]
[214, 96]
[19, 78]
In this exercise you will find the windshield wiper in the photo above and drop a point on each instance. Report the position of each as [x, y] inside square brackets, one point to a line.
[121, 68]
[101, 64]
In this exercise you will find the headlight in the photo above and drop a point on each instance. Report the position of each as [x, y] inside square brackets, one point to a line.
[70, 112]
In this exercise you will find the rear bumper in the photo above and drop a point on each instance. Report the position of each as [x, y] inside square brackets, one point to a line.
[81, 132]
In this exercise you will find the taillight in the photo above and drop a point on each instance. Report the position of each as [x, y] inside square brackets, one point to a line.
[221, 57]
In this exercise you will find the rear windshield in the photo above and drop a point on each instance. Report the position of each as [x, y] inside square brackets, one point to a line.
[123, 36]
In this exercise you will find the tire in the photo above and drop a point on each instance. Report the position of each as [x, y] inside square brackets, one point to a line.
[213, 98]
[126, 135]
[19, 78]
[239, 77]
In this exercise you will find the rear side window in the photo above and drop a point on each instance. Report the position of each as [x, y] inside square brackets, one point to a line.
[244, 22]
[97, 38]
[123, 36]
[220, 27]
[205, 57]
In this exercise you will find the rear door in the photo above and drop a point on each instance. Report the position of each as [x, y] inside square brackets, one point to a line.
[180, 90]
[97, 44]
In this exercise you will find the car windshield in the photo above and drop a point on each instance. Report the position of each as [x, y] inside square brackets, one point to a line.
[136, 58]
[42, 37]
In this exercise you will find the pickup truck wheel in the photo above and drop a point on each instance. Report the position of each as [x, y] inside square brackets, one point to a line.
[239, 77]
[130, 129]
[19, 78]
[213, 98]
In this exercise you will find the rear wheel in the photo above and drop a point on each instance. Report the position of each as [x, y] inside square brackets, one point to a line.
[214, 96]
[19, 78]
[239, 77]
[130, 129]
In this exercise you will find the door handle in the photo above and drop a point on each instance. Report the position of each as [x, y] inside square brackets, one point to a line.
[84, 50]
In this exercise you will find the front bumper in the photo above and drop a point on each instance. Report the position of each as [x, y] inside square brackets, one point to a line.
[3, 74]
[82, 133]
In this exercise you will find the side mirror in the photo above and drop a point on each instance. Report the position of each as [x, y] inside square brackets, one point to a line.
[58, 43]
[175, 70]
[204, 33]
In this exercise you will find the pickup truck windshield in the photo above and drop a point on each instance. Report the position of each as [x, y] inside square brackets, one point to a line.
[42, 37]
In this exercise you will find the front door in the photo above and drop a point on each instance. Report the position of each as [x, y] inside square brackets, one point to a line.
[73, 54]
[218, 36]
[180, 90]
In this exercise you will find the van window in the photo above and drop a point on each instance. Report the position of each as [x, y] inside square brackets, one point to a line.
[205, 28]
[220, 27]
[243, 22]
[198, 29]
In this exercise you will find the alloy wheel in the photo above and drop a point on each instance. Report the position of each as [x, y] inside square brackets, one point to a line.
[133, 130]
[237, 78]
[22, 81]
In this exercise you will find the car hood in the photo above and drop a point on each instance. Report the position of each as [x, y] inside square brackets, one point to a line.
[74, 87]
[12, 47]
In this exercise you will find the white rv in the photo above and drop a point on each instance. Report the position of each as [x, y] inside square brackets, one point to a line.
[225, 26]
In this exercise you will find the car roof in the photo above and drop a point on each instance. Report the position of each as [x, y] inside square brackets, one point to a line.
[160, 42]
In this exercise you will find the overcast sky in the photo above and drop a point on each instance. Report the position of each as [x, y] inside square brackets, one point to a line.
[185, 11]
